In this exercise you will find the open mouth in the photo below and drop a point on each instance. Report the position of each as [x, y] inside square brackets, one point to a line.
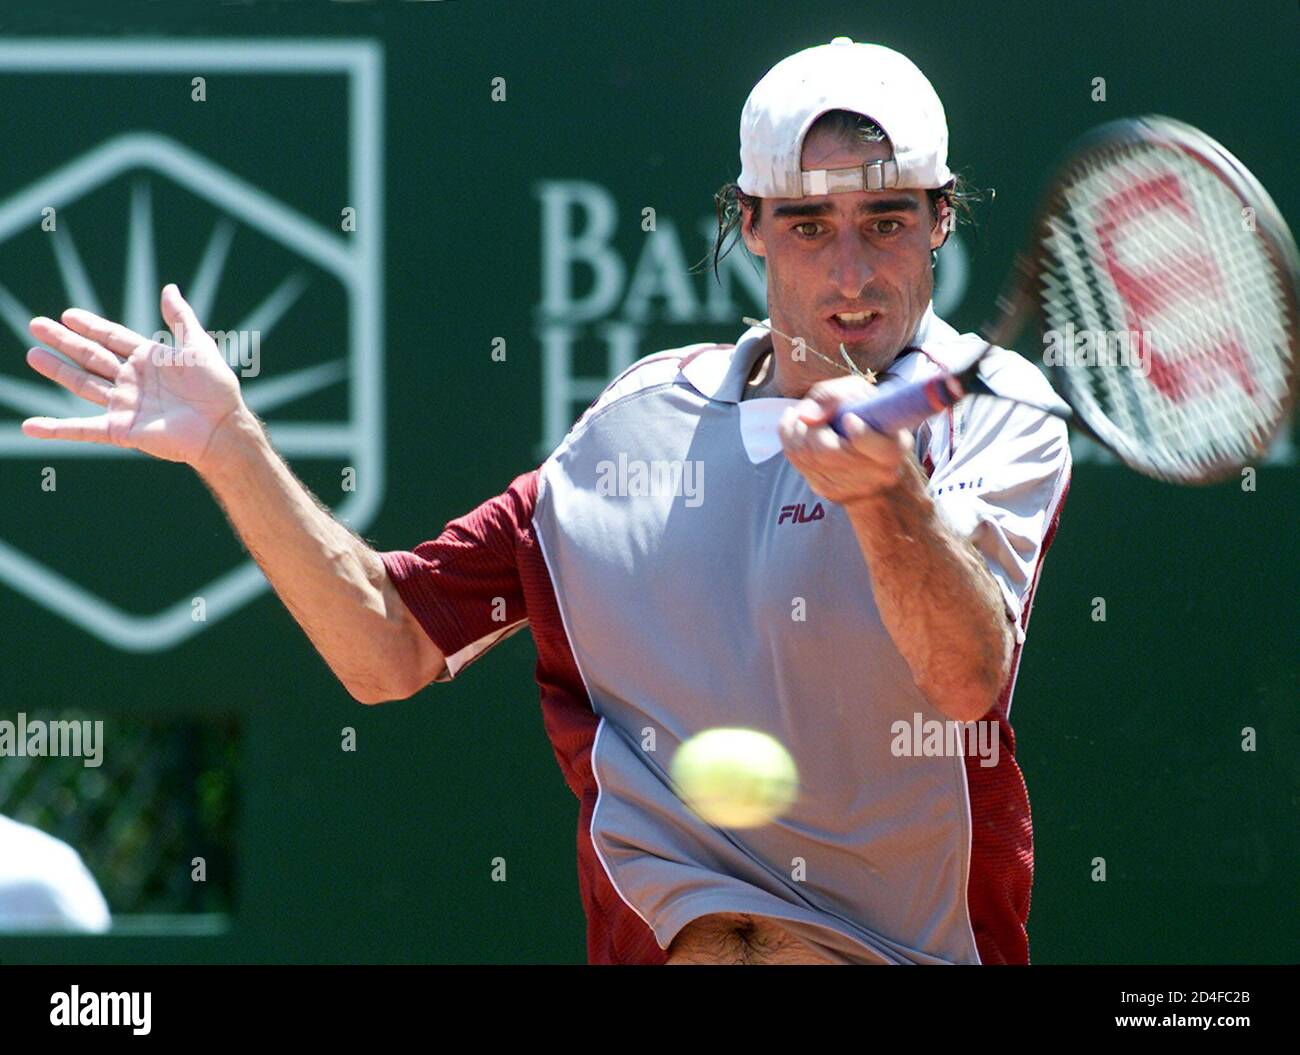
[853, 325]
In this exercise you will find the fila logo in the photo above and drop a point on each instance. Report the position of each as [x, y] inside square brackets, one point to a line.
[798, 515]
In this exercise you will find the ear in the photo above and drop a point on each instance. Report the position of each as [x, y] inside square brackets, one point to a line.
[943, 225]
[751, 234]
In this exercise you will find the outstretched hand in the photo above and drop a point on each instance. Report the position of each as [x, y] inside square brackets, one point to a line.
[166, 401]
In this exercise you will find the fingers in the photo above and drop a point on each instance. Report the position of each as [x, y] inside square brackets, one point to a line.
[817, 452]
[112, 335]
[93, 356]
[822, 400]
[815, 412]
[839, 468]
[878, 446]
[88, 430]
[79, 382]
[180, 317]
[802, 439]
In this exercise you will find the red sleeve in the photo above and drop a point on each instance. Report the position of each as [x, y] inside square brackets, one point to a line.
[464, 586]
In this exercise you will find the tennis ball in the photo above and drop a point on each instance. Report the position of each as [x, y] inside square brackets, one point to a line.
[735, 778]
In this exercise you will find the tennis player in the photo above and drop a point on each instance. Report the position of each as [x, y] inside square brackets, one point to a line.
[702, 550]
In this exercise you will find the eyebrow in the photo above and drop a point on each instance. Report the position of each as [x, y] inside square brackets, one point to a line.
[867, 207]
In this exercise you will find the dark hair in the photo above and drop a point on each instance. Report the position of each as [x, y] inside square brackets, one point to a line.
[730, 201]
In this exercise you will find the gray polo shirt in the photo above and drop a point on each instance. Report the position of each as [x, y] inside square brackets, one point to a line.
[702, 583]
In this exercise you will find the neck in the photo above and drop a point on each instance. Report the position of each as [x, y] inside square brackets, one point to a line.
[776, 375]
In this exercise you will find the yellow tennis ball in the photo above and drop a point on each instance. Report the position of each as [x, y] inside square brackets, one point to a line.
[735, 778]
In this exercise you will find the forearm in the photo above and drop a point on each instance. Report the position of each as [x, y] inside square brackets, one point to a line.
[936, 598]
[333, 584]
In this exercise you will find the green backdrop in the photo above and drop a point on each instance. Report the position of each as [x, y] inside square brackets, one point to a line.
[1130, 730]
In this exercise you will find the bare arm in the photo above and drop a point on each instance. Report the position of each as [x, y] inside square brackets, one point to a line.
[937, 599]
[939, 602]
[182, 404]
[331, 581]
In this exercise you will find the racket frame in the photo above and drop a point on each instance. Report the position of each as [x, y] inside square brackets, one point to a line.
[1019, 302]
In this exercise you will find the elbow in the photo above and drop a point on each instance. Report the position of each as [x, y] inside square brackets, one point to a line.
[371, 695]
[373, 689]
[968, 705]
[410, 662]
[970, 697]
[965, 702]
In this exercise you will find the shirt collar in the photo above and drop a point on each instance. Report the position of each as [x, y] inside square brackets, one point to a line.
[719, 373]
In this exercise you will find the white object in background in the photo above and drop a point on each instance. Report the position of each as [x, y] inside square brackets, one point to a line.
[44, 885]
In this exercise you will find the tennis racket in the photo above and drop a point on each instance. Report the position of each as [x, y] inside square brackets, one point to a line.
[1150, 229]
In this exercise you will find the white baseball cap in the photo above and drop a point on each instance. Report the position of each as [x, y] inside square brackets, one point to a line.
[867, 79]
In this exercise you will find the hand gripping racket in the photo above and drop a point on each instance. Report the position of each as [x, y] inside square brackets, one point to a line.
[1152, 230]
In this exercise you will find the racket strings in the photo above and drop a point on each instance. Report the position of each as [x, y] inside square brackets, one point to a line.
[1150, 254]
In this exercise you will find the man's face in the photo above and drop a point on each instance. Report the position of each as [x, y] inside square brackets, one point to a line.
[853, 252]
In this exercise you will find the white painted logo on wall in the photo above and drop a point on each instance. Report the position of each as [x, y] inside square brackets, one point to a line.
[123, 283]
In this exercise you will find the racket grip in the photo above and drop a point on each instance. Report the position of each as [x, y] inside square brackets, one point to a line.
[905, 407]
